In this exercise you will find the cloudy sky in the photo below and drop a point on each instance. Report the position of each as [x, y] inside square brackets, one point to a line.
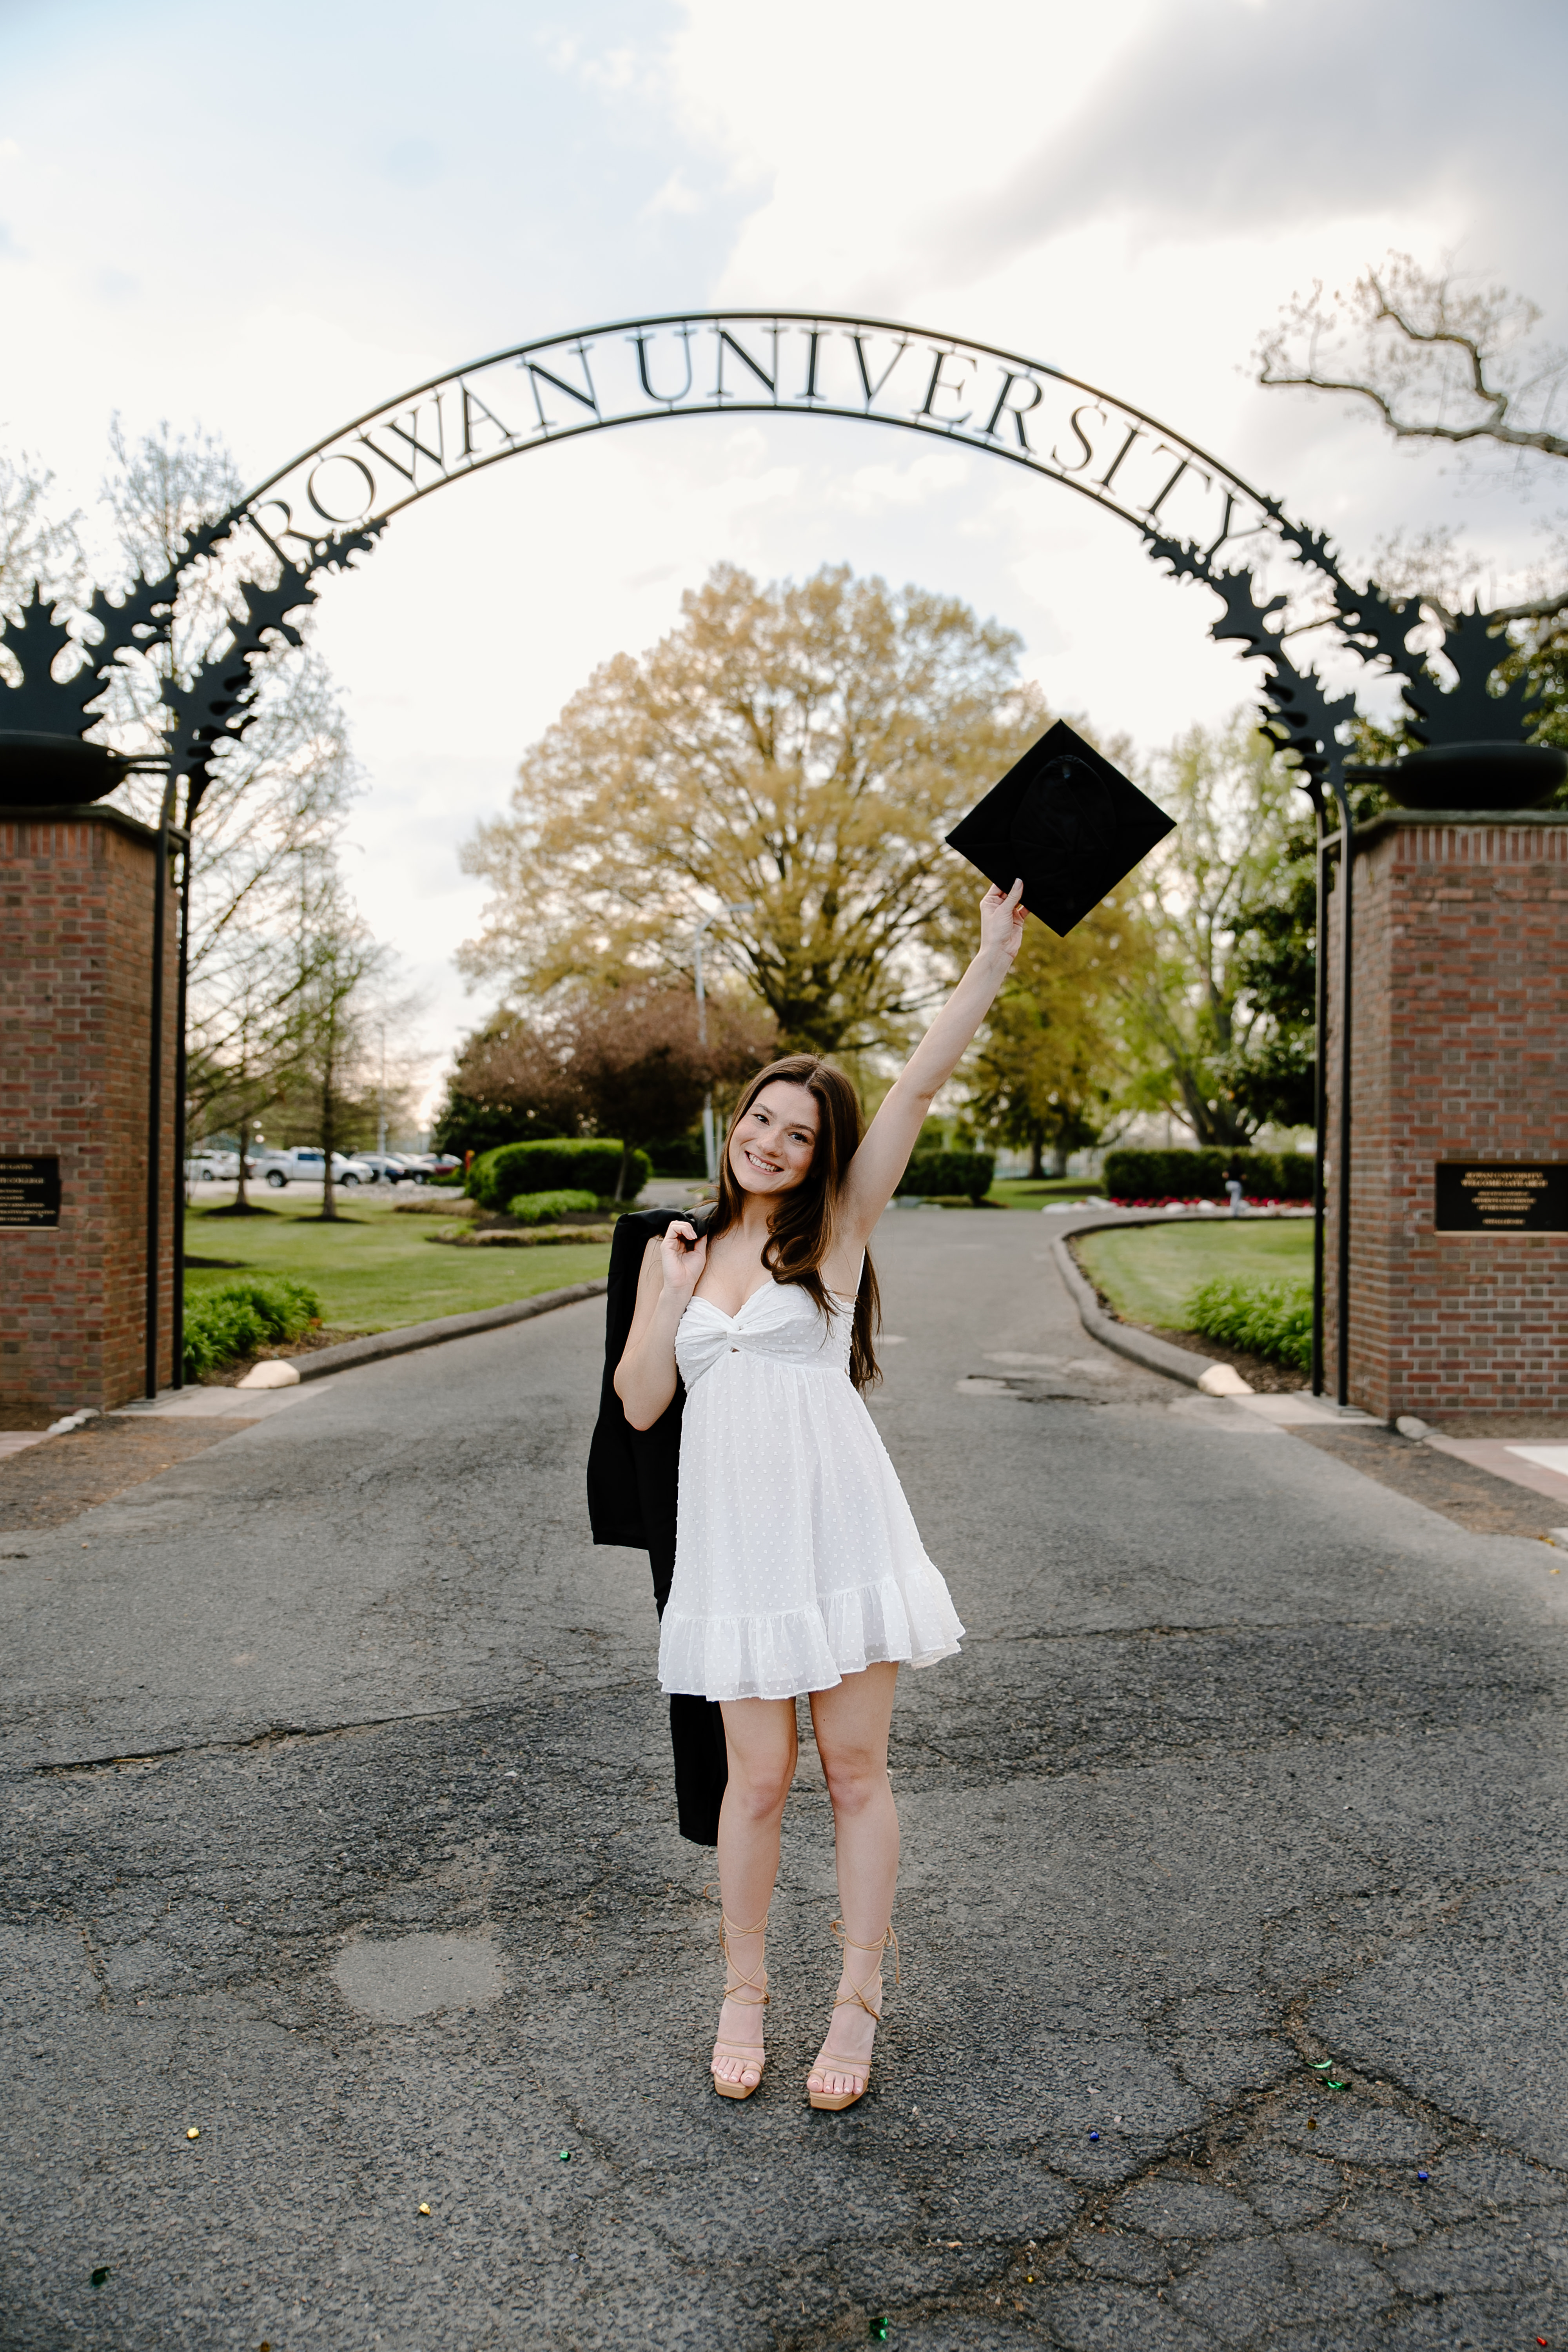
[269, 221]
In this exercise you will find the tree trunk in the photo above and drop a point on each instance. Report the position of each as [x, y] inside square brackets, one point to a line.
[1059, 1160]
[329, 1125]
[1036, 1161]
[622, 1173]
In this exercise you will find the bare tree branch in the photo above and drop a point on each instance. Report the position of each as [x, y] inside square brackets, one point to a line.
[1437, 361]
[1413, 343]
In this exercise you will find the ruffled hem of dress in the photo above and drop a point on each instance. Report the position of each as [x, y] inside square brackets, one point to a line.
[799, 1650]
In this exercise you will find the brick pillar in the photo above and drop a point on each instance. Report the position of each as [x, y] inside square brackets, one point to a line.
[75, 1012]
[1459, 1042]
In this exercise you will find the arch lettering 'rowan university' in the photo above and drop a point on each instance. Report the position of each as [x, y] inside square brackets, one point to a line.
[735, 362]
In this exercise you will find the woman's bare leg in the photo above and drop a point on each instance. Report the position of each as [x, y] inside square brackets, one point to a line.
[851, 1724]
[759, 1734]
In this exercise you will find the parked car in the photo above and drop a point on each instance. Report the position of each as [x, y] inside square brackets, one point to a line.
[432, 1163]
[310, 1161]
[305, 1164]
[276, 1167]
[390, 1168]
[211, 1167]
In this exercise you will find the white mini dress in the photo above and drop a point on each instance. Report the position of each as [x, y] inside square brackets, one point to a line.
[797, 1560]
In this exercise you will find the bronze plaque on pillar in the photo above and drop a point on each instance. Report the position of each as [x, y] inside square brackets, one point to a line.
[1502, 1196]
[29, 1191]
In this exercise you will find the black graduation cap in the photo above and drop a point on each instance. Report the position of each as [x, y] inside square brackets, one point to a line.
[1065, 819]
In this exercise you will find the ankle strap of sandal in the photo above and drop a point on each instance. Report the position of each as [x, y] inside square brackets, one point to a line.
[856, 1992]
[753, 1981]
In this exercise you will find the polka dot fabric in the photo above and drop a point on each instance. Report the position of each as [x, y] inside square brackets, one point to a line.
[797, 1560]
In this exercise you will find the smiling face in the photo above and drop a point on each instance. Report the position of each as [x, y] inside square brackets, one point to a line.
[772, 1148]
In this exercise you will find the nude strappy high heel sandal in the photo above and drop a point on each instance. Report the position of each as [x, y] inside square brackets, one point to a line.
[748, 2053]
[833, 2061]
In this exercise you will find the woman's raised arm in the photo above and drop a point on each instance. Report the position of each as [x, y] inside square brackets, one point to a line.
[884, 1153]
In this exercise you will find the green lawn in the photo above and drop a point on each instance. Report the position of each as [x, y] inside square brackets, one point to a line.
[1150, 1272]
[374, 1269]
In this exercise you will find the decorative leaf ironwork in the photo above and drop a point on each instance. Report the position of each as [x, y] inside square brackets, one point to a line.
[1300, 716]
[1470, 712]
[218, 704]
[1380, 627]
[44, 704]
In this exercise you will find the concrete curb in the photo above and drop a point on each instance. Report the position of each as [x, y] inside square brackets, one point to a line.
[1155, 1355]
[401, 1342]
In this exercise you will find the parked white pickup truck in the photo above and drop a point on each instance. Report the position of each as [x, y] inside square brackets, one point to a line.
[305, 1165]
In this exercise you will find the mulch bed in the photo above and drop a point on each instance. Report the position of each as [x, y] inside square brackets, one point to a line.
[1462, 1491]
[1260, 1372]
[44, 1485]
[320, 1335]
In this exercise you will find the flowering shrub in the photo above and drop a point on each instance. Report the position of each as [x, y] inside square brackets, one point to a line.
[241, 1316]
[1266, 1319]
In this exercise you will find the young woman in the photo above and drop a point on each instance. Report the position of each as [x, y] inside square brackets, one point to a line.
[798, 1566]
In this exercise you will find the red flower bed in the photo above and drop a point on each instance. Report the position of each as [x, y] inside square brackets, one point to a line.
[1220, 1208]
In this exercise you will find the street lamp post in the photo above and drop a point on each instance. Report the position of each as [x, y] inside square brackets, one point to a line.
[709, 1141]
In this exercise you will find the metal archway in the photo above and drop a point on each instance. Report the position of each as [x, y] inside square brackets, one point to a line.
[704, 363]
[1195, 515]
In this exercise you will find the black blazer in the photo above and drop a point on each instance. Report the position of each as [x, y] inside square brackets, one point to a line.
[632, 1476]
[633, 1472]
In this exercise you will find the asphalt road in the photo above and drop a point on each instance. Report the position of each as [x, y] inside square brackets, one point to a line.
[340, 1833]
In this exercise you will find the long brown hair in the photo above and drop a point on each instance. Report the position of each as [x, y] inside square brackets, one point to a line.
[801, 1229]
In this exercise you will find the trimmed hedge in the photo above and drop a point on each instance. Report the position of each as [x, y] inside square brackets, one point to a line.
[544, 1208]
[242, 1317]
[934, 1175]
[679, 1155]
[1267, 1319]
[586, 1163]
[1200, 1175]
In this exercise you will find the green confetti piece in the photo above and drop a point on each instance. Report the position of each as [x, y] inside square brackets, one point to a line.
[1322, 2066]
[566, 2156]
[100, 2276]
[1333, 2085]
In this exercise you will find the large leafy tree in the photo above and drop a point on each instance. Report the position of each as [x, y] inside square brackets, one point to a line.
[628, 1062]
[336, 1002]
[1195, 1024]
[1269, 1070]
[797, 750]
[1050, 1062]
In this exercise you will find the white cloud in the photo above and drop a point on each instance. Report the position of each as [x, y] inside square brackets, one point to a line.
[913, 485]
[675, 196]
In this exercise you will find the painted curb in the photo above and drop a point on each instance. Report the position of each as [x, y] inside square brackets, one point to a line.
[376, 1345]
